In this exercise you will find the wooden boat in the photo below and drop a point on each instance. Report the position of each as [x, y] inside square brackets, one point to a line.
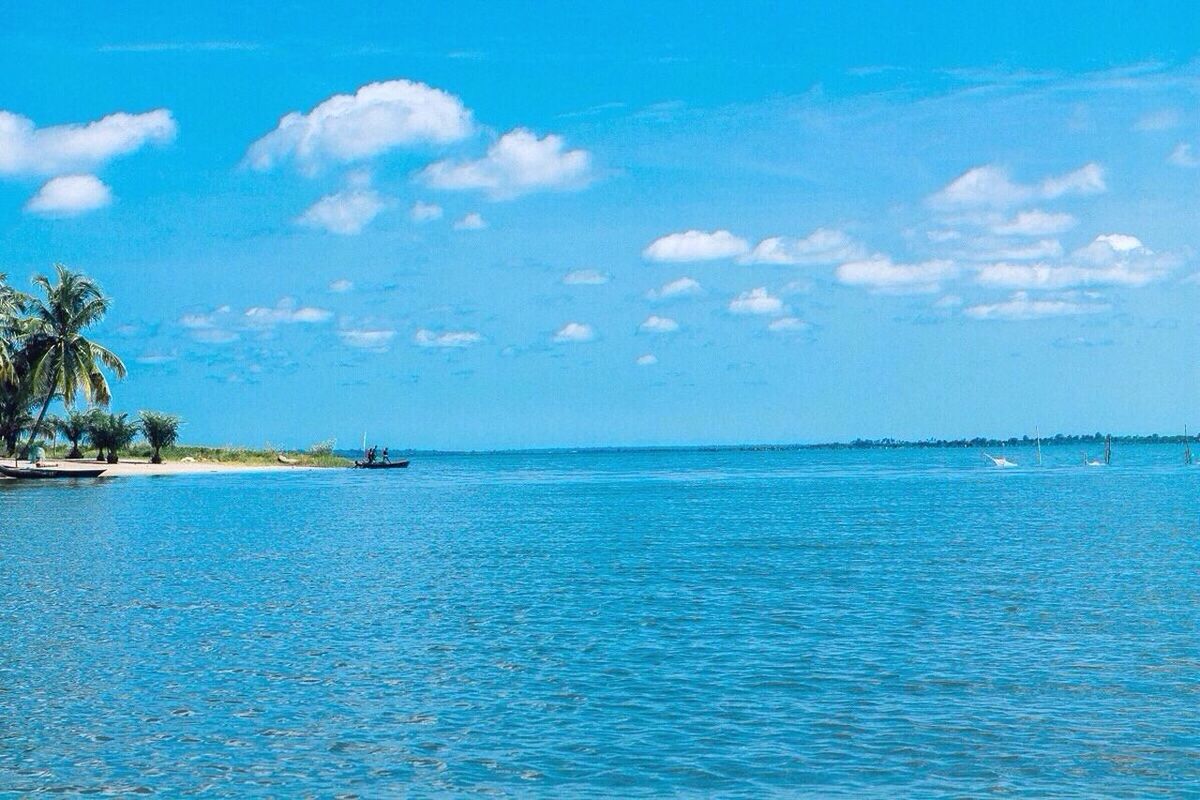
[381, 464]
[43, 473]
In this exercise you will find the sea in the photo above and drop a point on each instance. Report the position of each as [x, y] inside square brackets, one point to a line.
[659, 623]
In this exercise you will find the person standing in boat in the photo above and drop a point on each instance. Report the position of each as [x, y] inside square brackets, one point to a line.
[386, 460]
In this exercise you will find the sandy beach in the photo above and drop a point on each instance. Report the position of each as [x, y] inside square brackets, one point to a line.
[133, 467]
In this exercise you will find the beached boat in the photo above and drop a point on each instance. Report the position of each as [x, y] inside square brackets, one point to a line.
[381, 464]
[43, 473]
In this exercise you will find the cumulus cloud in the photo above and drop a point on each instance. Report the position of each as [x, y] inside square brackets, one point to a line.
[456, 339]
[656, 324]
[1020, 306]
[680, 287]
[26, 149]
[70, 195]
[367, 338]
[517, 163]
[377, 118]
[696, 245]
[881, 274]
[989, 186]
[647, 360]
[425, 212]
[575, 332]
[341, 285]
[345, 213]
[1117, 260]
[756, 301]
[822, 246]
[586, 277]
[1035, 223]
[471, 222]
[285, 312]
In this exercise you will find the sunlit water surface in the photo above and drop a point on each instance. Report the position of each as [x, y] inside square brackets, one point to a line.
[816, 623]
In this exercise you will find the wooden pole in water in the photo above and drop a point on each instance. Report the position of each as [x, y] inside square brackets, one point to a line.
[1108, 449]
[1037, 434]
[1187, 448]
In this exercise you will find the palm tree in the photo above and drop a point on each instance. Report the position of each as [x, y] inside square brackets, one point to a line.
[113, 432]
[74, 426]
[95, 432]
[161, 430]
[65, 363]
[12, 303]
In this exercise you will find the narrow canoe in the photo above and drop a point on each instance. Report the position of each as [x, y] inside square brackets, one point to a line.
[381, 465]
[42, 473]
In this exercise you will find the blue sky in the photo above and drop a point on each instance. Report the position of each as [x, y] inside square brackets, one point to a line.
[499, 226]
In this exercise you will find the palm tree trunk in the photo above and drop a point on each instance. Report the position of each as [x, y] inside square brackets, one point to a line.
[33, 432]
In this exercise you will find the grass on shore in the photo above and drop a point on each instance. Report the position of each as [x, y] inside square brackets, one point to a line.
[227, 454]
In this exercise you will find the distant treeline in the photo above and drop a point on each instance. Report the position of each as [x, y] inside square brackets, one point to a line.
[980, 441]
[857, 444]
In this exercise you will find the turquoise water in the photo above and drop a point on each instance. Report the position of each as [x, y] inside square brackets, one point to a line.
[813, 623]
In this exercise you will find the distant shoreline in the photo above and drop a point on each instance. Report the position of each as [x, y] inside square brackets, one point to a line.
[857, 444]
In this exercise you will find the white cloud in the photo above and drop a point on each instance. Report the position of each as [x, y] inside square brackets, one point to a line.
[822, 246]
[647, 360]
[984, 186]
[70, 195]
[1020, 306]
[1108, 247]
[695, 245]
[586, 277]
[345, 213]
[1184, 156]
[756, 301]
[656, 324]
[680, 287]
[425, 212]
[881, 274]
[26, 149]
[989, 186]
[374, 339]
[286, 311]
[457, 339]
[377, 118]
[1035, 223]
[1045, 276]
[1087, 180]
[575, 332]
[517, 163]
[471, 222]
[341, 285]
[1114, 259]
[789, 325]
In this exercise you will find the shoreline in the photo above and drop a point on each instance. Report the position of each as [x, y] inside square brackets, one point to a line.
[135, 467]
